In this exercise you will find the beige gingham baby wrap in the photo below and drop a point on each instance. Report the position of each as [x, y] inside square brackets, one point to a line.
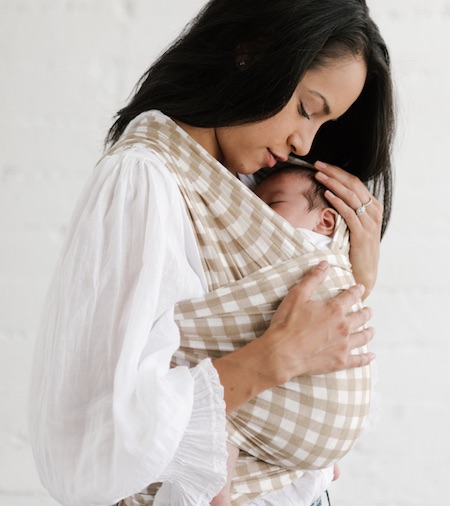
[251, 257]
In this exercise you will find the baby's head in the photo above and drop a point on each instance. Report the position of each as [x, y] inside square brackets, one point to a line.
[294, 193]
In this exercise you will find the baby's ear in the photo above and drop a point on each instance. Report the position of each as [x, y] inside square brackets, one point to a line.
[327, 221]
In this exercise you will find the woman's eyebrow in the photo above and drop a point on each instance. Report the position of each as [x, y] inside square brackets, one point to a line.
[326, 108]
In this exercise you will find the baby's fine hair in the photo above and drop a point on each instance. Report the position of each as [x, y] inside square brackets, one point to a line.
[314, 192]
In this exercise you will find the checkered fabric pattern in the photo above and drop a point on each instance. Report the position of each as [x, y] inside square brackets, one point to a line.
[251, 257]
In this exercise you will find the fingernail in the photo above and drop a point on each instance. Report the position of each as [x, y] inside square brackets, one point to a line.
[321, 165]
[323, 265]
[361, 289]
[321, 175]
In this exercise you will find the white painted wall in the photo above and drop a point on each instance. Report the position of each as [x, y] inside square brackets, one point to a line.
[68, 65]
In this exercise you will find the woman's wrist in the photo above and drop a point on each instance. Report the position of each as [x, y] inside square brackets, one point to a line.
[246, 372]
[368, 281]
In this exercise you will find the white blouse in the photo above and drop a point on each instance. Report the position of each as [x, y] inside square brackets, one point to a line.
[107, 414]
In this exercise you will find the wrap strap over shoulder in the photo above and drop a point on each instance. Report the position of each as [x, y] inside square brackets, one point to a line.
[251, 257]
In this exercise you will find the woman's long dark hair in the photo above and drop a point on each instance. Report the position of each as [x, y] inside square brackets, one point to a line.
[239, 61]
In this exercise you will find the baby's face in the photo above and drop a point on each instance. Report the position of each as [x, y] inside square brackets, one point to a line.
[285, 195]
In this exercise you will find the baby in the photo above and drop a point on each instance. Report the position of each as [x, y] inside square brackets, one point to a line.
[295, 194]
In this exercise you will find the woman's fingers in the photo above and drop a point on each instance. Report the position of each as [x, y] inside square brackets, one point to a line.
[314, 277]
[334, 172]
[348, 190]
[345, 186]
[360, 360]
[316, 337]
[358, 319]
[300, 294]
[363, 214]
[353, 197]
[311, 280]
[342, 356]
[349, 297]
[361, 338]
[349, 214]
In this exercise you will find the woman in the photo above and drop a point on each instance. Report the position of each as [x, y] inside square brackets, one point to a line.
[247, 84]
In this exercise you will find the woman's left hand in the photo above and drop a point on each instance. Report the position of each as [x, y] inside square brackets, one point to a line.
[363, 214]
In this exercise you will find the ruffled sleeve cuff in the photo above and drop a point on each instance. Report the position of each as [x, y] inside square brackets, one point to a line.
[198, 470]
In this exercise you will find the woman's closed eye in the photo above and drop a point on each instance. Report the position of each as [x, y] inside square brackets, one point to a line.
[303, 112]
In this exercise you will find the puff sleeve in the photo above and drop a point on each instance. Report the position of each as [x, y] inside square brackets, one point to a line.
[107, 414]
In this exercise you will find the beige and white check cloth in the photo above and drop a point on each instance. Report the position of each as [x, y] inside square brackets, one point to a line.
[251, 257]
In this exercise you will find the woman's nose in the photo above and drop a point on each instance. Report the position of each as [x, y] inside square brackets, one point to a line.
[301, 142]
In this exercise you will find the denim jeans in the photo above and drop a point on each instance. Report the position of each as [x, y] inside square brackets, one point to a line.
[320, 503]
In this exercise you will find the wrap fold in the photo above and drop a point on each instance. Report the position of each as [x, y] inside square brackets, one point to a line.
[251, 257]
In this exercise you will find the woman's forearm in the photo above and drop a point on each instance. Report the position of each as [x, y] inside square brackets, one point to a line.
[305, 337]
[245, 373]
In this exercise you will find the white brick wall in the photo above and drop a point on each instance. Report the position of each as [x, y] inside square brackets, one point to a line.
[68, 65]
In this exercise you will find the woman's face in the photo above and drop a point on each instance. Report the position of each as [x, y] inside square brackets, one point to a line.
[322, 95]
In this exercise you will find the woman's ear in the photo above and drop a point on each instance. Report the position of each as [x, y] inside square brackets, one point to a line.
[327, 221]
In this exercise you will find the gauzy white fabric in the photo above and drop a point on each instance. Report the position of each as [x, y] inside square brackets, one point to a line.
[107, 414]
[320, 240]
[302, 492]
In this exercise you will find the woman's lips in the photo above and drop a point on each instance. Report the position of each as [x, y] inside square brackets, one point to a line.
[271, 159]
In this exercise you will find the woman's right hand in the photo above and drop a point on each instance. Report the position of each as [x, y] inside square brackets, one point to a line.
[305, 337]
[317, 337]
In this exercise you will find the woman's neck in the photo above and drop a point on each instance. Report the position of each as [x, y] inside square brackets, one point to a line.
[206, 137]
